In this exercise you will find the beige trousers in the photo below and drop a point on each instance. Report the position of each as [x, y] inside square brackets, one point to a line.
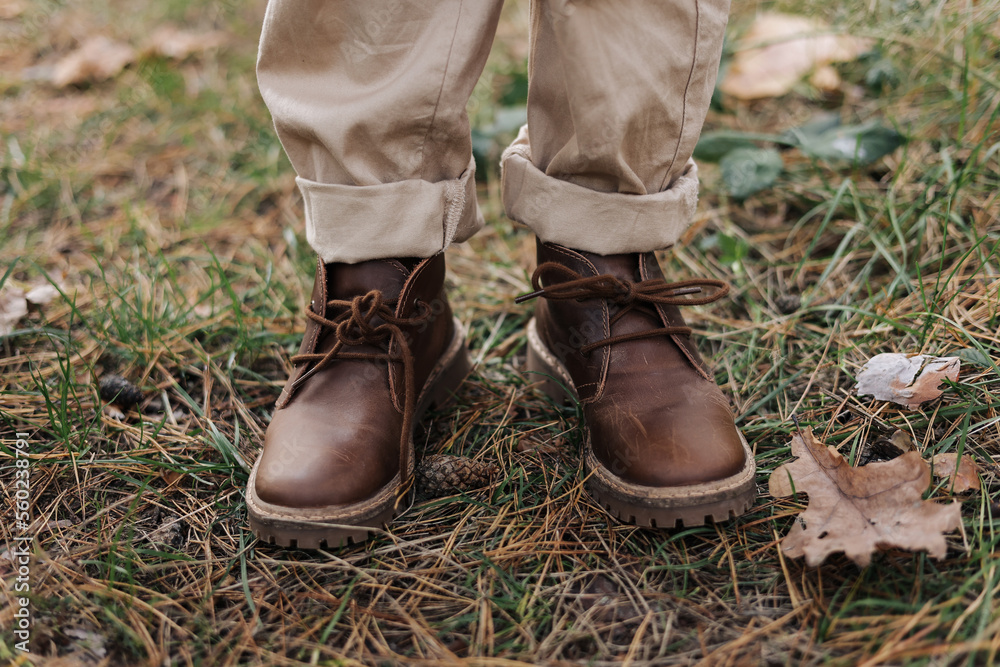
[369, 96]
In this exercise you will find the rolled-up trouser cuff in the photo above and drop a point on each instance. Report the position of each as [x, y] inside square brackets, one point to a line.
[606, 223]
[412, 218]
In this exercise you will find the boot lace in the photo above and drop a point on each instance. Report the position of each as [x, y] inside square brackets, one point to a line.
[357, 324]
[627, 294]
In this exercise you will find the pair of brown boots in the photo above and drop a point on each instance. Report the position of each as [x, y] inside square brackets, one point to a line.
[381, 346]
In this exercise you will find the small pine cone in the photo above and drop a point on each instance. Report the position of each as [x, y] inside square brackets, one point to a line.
[788, 303]
[442, 475]
[118, 390]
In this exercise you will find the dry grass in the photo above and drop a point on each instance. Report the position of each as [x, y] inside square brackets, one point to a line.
[161, 204]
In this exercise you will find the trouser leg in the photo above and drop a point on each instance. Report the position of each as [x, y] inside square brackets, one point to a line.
[368, 99]
[617, 96]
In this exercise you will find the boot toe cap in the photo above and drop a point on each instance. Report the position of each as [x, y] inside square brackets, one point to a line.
[664, 448]
[309, 468]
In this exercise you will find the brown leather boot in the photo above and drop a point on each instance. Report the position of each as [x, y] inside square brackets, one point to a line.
[380, 347]
[660, 444]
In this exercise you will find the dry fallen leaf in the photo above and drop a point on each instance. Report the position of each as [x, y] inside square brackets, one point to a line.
[779, 49]
[41, 295]
[112, 411]
[56, 525]
[15, 298]
[965, 478]
[885, 449]
[11, 9]
[858, 510]
[826, 78]
[171, 476]
[97, 59]
[87, 642]
[171, 42]
[13, 306]
[901, 440]
[906, 379]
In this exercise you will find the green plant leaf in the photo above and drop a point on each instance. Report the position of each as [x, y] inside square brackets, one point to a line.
[482, 147]
[508, 119]
[814, 129]
[713, 146]
[489, 140]
[860, 144]
[733, 250]
[749, 170]
[882, 75]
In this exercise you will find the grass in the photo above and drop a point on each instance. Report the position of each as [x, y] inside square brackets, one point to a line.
[161, 205]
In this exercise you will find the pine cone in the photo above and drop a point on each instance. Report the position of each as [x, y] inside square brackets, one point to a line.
[116, 389]
[442, 475]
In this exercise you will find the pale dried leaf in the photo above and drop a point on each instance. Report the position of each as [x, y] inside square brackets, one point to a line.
[171, 476]
[97, 59]
[859, 510]
[112, 411]
[908, 380]
[13, 306]
[779, 49]
[825, 78]
[170, 532]
[87, 640]
[11, 9]
[172, 42]
[902, 440]
[56, 525]
[41, 295]
[884, 449]
[964, 478]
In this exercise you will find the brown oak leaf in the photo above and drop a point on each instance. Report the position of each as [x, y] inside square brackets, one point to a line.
[858, 510]
[965, 478]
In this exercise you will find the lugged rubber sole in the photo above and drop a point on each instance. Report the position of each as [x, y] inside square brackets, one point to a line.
[654, 507]
[340, 525]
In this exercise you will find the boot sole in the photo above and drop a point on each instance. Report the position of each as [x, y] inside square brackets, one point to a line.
[650, 506]
[339, 525]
